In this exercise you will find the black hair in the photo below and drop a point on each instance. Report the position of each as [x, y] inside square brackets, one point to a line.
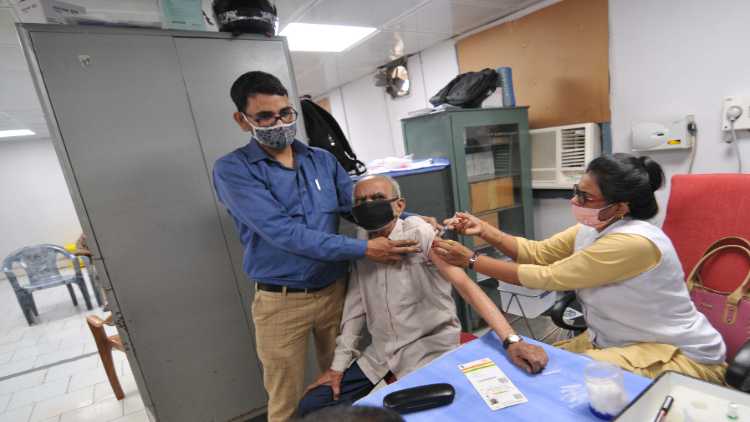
[347, 413]
[252, 83]
[627, 178]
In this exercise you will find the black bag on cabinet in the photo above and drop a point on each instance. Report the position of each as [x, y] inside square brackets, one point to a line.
[468, 89]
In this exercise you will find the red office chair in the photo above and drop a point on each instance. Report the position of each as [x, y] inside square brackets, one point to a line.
[702, 209]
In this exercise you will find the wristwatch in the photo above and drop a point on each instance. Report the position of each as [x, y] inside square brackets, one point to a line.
[473, 260]
[511, 339]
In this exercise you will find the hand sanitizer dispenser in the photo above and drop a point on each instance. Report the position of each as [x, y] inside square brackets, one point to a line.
[649, 136]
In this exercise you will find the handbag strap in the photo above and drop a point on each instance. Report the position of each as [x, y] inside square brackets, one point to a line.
[729, 240]
[732, 301]
[694, 278]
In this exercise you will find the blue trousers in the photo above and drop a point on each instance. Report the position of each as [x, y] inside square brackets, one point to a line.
[354, 386]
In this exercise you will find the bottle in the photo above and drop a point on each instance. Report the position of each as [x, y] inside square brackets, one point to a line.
[732, 412]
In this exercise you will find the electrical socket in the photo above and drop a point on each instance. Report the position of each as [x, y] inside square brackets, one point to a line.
[742, 122]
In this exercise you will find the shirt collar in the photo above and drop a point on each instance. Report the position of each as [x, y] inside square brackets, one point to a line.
[256, 153]
[397, 231]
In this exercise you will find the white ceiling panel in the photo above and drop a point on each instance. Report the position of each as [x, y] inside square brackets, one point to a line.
[513, 4]
[290, 10]
[452, 17]
[404, 27]
[7, 29]
[357, 13]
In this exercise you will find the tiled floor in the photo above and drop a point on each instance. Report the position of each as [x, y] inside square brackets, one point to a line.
[50, 372]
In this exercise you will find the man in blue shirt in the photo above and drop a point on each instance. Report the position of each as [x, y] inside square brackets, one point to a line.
[286, 199]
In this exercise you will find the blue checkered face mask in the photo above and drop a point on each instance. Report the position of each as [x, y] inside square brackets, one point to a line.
[276, 137]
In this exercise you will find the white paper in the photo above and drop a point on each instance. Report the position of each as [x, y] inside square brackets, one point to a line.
[492, 384]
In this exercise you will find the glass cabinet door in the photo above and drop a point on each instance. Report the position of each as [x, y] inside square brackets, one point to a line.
[493, 174]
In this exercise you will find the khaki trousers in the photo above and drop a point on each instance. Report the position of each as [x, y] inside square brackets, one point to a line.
[646, 359]
[283, 324]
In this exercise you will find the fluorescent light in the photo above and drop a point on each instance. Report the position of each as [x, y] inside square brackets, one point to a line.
[330, 38]
[15, 132]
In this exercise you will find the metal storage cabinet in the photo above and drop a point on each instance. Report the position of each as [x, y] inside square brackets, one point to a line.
[490, 160]
[138, 118]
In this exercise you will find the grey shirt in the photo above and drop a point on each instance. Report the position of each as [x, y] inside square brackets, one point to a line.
[407, 309]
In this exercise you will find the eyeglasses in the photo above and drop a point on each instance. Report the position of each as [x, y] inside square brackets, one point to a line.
[267, 119]
[582, 196]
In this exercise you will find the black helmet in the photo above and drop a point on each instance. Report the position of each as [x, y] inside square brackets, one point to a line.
[246, 16]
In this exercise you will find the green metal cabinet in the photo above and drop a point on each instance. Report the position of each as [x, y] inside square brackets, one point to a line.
[490, 160]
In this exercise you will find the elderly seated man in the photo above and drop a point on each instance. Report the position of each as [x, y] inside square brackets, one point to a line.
[407, 307]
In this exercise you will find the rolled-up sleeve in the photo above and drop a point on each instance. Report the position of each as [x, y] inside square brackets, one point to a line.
[251, 202]
[611, 259]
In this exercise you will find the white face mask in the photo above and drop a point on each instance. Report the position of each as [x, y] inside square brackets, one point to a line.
[276, 137]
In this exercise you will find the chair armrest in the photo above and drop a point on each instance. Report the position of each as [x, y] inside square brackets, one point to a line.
[558, 310]
[12, 279]
[738, 372]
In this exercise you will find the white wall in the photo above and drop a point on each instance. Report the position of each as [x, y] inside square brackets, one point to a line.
[36, 206]
[372, 119]
[670, 58]
[366, 115]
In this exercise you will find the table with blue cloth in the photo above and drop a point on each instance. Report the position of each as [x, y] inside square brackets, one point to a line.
[545, 402]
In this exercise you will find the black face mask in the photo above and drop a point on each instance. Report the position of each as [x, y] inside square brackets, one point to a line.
[374, 215]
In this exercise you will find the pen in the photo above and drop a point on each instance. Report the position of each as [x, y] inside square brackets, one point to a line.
[317, 184]
[665, 406]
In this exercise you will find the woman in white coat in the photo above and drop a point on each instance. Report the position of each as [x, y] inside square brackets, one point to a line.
[624, 270]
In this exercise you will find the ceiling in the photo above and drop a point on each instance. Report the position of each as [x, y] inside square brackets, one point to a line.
[404, 27]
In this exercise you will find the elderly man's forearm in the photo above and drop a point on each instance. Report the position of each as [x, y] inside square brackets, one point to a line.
[500, 270]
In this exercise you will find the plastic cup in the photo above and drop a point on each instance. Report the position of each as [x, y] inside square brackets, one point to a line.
[607, 396]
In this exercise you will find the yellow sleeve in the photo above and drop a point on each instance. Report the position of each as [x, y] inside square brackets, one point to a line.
[612, 258]
[547, 251]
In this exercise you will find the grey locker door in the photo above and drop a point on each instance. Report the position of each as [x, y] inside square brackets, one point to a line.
[209, 67]
[127, 128]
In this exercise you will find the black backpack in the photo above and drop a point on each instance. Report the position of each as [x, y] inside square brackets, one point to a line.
[246, 16]
[467, 90]
[324, 132]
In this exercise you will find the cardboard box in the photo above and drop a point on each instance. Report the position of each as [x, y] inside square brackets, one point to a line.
[47, 11]
[491, 194]
[491, 219]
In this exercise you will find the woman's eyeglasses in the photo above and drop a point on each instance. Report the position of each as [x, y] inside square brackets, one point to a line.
[581, 196]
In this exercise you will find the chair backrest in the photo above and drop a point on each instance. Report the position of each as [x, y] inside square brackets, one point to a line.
[39, 262]
[702, 209]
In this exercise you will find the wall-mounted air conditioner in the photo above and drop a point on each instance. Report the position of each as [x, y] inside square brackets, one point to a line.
[559, 155]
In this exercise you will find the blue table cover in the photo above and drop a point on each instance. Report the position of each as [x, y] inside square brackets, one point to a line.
[542, 390]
